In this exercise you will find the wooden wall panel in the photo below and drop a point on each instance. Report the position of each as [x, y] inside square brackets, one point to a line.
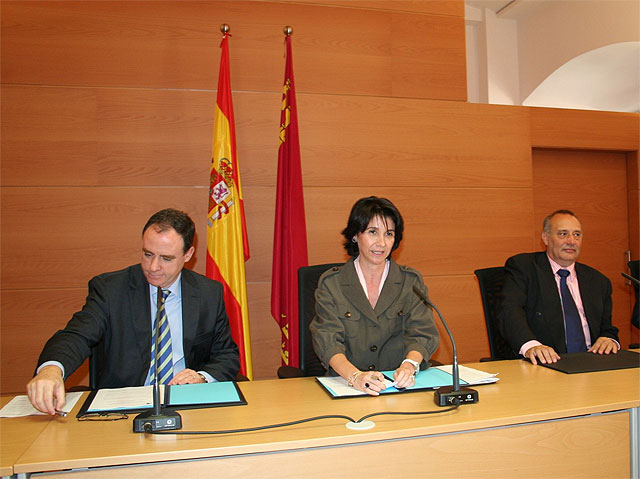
[583, 129]
[353, 141]
[107, 116]
[93, 136]
[60, 237]
[438, 7]
[174, 44]
[32, 316]
[99, 136]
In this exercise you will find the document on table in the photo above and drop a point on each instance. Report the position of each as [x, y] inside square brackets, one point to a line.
[431, 378]
[138, 397]
[20, 406]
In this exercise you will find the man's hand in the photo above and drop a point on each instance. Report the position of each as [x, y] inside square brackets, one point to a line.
[46, 390]
[186, 376]
[604, 345]
[542, 353]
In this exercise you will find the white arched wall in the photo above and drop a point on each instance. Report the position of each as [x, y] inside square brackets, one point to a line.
[511, 52]
[607, 78]
[551, 33]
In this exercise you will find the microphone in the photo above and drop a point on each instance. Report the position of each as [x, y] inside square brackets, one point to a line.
[631, 278]
[159, 418]
[454, 394]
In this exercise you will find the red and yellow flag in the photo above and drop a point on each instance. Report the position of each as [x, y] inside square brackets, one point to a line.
[227, 244]
[290, 234]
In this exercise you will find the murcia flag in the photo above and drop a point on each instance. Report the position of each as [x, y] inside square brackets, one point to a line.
[290, 235]
[227, 244]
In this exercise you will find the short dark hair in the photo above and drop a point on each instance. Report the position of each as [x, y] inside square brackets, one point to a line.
[546, 224]
[178, 220]
[362, 212]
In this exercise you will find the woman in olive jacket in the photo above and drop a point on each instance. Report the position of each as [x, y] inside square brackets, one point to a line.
[368, 317]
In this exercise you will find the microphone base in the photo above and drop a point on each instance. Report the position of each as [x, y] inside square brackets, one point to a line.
[446, 396]
[148, 421]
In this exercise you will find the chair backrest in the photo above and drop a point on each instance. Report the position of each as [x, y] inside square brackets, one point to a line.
[491, 281]
[307, 284]
[634, 267]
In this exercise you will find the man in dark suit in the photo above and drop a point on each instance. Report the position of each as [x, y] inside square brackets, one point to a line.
[119, 313]
[532, 314]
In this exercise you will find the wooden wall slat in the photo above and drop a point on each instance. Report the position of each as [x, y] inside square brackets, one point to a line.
[92, 136]
[31, 317]
[60, 237]
[583, 129]
[175, 45]
[438, 7]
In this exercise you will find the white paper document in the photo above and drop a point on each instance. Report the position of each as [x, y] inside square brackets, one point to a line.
[137, 397]
[20, 406]
[469, 375]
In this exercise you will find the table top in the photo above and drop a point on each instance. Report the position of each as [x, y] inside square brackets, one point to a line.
[525, 393]
[16, 434]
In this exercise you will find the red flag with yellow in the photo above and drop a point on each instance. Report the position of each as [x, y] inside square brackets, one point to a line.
[290, 234]
[227, 244]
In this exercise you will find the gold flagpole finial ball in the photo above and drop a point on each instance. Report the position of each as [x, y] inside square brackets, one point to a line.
[224, 28]
[287, 30]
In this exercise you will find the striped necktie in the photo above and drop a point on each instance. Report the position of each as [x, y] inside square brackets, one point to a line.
[165, 356]
[572, 322]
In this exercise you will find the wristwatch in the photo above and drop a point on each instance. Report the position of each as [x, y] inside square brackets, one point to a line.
[413, 363]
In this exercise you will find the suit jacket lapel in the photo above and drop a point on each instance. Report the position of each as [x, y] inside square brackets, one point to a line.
[141, 318]
[190, 312]
[391, 288]
[353, 290]
[551, 297]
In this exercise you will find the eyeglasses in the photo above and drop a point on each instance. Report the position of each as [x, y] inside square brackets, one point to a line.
[103, 416]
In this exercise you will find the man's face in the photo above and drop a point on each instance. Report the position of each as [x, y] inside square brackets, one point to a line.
[162, 256]
[564, 239]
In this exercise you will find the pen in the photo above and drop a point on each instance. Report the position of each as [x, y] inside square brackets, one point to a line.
[61, 413]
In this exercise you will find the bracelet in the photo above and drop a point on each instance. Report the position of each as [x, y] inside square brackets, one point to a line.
[413, 363]
[353, 377]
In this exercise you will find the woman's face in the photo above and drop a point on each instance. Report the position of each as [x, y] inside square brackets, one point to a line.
[375, 242]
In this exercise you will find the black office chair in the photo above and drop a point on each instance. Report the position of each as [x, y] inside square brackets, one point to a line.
[491, 281]
[309, 363]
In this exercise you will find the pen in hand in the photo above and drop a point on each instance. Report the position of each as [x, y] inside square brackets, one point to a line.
[60, 413]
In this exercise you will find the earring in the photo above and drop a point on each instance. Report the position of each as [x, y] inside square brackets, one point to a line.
[354, 240]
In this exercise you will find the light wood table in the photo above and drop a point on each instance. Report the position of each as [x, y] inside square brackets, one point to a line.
[16, 435]
[535, 422]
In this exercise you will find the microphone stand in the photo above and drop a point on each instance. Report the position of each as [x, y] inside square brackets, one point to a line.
[159, 418]
[454, 394]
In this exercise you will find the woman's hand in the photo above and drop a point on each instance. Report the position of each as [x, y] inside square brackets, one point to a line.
[370, 382]
[404, 376]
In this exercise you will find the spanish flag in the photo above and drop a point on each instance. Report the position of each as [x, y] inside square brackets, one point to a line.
[290, 234]
[227, 244]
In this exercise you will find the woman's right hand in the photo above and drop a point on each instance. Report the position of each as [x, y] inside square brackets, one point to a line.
[370, 382]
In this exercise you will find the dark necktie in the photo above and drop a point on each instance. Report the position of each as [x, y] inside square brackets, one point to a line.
[572, 322]
[165, 356]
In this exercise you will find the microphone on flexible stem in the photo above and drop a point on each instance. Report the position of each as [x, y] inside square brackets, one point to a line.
[631, 278]
[159, 418]
[454, 394]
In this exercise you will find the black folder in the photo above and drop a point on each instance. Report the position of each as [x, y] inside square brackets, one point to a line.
[572, 363]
